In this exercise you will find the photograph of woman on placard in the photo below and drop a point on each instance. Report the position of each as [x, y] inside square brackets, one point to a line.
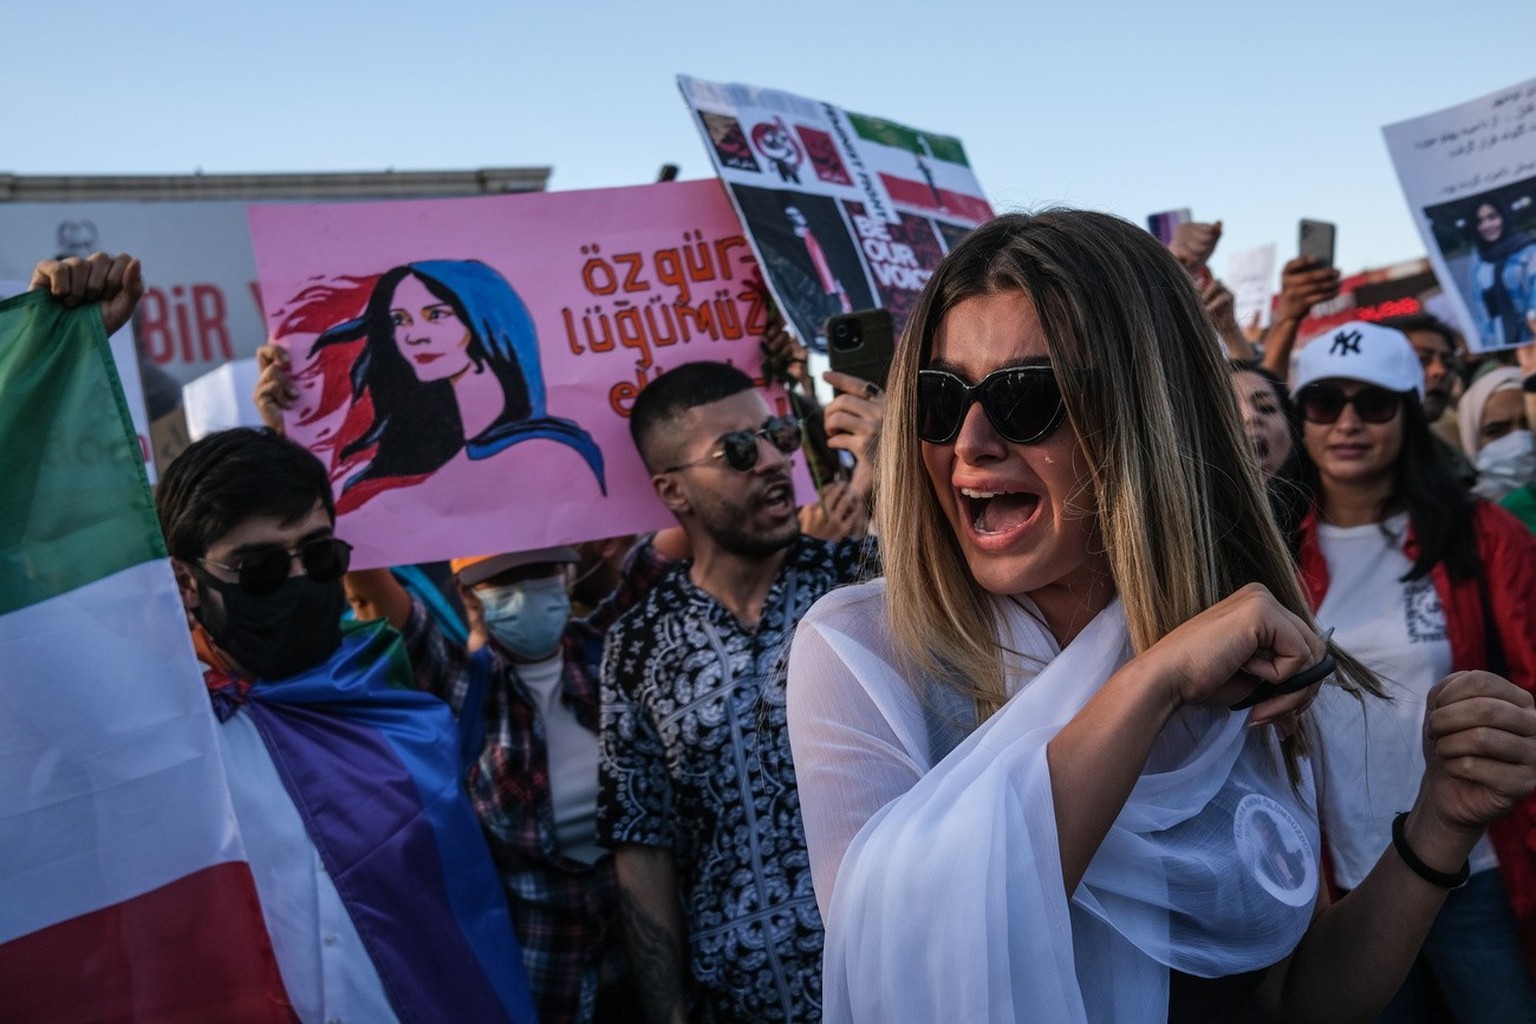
[1489, 244]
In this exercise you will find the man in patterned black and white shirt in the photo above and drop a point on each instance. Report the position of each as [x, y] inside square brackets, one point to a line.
[697, 794]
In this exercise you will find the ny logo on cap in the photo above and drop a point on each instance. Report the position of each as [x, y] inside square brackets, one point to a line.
[1344, 343]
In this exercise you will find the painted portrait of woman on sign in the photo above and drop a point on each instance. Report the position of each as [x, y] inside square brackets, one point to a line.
[430, 359]
[465, 367]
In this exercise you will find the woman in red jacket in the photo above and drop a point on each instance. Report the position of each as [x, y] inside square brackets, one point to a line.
[1419, 580]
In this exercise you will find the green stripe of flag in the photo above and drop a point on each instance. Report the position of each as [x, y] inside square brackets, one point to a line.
[75, 504]
[899, 136]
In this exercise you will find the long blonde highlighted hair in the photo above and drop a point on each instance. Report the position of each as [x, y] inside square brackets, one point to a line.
[1181, 507]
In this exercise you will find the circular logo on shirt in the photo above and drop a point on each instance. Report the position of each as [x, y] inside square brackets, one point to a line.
[1423, 614]
[1275, 850]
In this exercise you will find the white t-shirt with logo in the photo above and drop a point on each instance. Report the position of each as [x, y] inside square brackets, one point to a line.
[1371, 754]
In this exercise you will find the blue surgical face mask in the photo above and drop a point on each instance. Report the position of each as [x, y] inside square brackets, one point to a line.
[528, 617]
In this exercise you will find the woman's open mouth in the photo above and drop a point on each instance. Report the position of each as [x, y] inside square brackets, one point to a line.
[997, 512]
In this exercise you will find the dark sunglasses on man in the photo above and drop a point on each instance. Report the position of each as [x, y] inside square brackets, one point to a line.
[1324, 403]
[263, 570]
[739, 448]
[1023, 403]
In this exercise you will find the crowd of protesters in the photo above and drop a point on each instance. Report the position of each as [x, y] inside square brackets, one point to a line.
[1133, 665]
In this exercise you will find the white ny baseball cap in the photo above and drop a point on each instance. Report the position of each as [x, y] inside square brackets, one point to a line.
[1367, 352]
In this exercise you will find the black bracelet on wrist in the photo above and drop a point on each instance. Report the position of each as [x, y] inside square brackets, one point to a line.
[1529, 383]
[1444, 879]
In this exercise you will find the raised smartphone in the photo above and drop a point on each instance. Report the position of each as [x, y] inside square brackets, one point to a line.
[1315, 238]
[862, 344]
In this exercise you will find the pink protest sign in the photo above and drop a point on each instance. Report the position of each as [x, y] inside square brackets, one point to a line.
[466, 366]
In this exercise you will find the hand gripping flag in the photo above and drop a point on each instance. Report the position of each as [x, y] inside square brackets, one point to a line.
[124, 891]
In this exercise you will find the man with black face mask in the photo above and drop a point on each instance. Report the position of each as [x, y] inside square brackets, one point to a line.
[378, 890]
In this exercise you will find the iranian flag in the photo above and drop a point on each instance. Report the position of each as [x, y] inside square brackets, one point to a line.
[921, 170]
[124, 892]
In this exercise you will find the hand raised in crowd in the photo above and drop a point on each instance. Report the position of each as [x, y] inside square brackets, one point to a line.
[363, 587]
[784, 358]
[853, 421]
[1222, 309]
[114, 281]
[275, 390]
[839, 514]
[1194, 242]
[1304, 282]
[1479, 751]
[474, 620]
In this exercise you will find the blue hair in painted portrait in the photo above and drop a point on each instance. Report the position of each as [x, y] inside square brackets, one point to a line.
[449, 362]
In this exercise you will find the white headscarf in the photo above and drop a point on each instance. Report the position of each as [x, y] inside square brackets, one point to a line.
[1469, 412]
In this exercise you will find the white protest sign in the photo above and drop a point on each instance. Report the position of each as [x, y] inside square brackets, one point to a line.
[1469, 175]
[221, 399]
[1251, 276]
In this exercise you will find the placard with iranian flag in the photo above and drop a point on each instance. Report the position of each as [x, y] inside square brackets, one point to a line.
[845, 211]
[124, 891]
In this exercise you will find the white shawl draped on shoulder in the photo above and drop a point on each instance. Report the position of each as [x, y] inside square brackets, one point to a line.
[938, 870]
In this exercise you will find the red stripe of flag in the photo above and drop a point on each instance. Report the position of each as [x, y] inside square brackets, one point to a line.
[910, 192]
[190, 952]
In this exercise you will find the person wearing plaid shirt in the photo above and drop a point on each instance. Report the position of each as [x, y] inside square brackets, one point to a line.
[532, 751]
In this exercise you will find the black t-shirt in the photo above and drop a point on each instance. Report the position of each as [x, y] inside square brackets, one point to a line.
[1229, 1000]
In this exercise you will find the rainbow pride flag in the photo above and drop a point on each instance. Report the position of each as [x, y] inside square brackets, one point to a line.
[374, 769]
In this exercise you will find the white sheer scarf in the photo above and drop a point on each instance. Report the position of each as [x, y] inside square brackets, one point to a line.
[948, 903]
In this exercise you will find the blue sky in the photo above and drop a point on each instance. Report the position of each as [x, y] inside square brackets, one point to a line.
[1256, 114]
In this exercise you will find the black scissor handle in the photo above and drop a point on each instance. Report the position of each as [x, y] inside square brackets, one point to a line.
[1300, 681]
